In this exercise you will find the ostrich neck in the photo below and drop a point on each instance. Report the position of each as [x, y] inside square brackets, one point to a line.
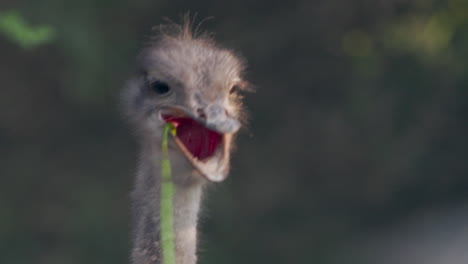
[146, 205]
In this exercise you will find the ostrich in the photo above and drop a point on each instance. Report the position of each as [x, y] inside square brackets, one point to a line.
[190, 81]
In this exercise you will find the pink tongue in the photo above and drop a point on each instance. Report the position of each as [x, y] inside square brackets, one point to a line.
[199, 140]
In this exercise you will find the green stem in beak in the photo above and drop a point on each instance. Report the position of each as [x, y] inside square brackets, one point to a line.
[167, 194]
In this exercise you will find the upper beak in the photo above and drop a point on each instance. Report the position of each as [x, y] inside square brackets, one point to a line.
[214, 117]
[219, 119]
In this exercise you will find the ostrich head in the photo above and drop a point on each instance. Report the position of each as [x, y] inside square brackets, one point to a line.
[194, 84]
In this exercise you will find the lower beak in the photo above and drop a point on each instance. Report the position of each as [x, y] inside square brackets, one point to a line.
[214, 169]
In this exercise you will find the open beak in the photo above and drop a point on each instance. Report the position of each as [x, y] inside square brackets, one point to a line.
[206, 143]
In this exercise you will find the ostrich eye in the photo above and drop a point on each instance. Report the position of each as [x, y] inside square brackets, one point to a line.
[160, 87]
[234, 89]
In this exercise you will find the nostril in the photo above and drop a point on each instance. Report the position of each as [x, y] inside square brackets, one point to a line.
[227, 113]
[201, 113]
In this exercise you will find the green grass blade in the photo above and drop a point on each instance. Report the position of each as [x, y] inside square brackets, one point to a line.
[167, 193]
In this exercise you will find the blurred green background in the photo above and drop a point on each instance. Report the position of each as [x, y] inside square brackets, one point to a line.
[359, 125]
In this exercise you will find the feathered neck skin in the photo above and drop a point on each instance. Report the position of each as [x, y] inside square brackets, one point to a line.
[187, 198]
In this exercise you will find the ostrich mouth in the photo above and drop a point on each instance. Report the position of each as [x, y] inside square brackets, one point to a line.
[198, 140]
[206, 149]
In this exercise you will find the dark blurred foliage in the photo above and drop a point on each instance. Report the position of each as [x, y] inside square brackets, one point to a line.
[358, 122]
